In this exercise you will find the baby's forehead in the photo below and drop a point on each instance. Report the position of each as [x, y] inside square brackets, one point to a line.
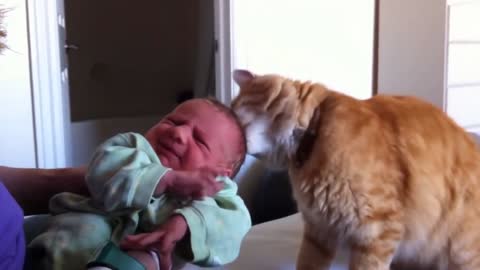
[200, 108]
[213, 120]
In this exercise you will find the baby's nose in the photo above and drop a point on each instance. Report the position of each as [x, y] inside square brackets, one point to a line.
[180, 134]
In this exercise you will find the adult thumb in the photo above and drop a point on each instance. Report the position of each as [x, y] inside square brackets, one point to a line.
[165, 261]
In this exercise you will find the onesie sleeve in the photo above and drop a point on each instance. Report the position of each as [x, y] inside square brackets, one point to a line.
[124, 173]
[217, 226]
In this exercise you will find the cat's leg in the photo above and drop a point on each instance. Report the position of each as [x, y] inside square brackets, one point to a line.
[465, 246]
[375, 253]
[465, 250]
[468, 261]
[317, 250]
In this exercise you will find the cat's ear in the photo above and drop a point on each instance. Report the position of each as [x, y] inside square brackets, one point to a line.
[242, 76]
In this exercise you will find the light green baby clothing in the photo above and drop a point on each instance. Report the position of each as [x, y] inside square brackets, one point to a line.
[121, 178]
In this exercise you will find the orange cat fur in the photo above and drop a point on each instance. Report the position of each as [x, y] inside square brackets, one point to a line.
[393, 178]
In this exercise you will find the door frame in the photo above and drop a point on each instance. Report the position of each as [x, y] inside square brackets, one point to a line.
[50, 92]
[223, 50]
[49, 84]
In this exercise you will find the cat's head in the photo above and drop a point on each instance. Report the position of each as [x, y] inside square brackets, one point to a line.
[267, 109]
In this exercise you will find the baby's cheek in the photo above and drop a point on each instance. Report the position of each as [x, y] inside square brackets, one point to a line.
[195, 159]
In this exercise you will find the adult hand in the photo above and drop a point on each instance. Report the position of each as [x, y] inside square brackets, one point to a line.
[162, 240]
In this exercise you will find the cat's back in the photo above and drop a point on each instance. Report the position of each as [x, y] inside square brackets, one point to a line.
[413, 140]
[405, 122]
[421, 129]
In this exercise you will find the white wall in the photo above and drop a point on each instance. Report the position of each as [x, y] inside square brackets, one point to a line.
[16, 118]
[328, 41]
[412, 49]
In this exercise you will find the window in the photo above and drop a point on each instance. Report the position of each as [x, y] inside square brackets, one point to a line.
[328, 41]
[463, 66]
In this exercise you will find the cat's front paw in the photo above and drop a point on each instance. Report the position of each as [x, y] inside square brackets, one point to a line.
[315, 255]
[376, 256]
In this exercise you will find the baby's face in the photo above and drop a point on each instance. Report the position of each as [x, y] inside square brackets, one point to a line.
[194, 135]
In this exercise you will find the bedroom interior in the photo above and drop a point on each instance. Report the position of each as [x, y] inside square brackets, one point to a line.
[434, 60]
[429, 49]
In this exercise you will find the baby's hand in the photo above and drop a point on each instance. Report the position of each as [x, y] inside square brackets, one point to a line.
[195, 184]
[162, 240]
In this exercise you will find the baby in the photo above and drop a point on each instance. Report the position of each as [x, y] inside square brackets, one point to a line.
[155, 187]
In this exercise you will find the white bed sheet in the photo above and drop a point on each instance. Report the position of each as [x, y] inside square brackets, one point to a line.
[273, 246]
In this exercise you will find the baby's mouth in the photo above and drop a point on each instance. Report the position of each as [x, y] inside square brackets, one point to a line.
[166, 149]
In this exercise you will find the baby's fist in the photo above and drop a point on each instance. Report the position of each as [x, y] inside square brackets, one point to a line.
[195, 184]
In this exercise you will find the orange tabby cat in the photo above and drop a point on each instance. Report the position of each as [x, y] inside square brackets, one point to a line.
[391, 177]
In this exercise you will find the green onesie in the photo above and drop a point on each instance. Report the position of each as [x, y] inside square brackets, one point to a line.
[121, 178]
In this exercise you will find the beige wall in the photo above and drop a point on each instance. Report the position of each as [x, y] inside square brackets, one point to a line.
[16, 117]
[412, 48]
[133, 57]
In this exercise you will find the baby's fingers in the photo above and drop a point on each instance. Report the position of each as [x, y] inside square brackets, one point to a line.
[140, 241]
[128, 244]
[223, 172]
[219, 171]
[218, 186]
[211, 188]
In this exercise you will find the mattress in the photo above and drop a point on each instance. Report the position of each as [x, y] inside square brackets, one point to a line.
[274, 245]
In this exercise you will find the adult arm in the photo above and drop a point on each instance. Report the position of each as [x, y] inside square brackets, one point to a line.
[32, 188]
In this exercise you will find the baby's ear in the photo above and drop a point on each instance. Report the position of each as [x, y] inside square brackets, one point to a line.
[242, 76]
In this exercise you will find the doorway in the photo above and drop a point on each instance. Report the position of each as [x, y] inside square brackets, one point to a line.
[129, 64]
